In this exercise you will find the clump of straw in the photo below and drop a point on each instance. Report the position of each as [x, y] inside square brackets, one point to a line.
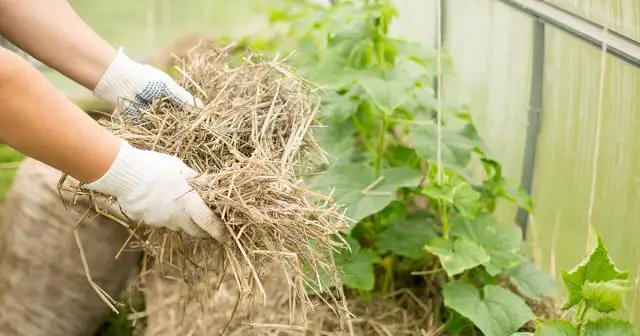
[402, 312]
[249, 144]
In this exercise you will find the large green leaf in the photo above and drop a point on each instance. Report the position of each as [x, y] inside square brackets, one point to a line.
[387, 95]
[498, 313]
[357, 270]
[350, 181]
[608, 326]
[317, 277]
[556, 328]
[502, 242]
[318, 281]
[426, 57]
[531, 281]
[607, 296]
[338, 108]
[337, 140]
[407, 237]
[460, 194]
[458, 255]
[398, 155]
[352, 41]
[457, 324]
[455, 146]
[598, 267]
[439, 192]
[466, 200]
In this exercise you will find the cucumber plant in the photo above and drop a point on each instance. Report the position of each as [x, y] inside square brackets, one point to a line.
[596, 289]
[401, 168]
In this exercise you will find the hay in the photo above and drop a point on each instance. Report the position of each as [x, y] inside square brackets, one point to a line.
[249, 145]
[400, 313]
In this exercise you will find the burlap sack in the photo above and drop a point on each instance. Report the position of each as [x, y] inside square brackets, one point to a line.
[43, 286]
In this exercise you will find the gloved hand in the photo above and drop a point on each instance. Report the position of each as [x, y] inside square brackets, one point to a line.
[152, 187]
[139, 85]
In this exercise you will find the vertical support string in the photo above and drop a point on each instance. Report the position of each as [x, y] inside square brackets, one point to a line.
[596, 147]
[440, 176]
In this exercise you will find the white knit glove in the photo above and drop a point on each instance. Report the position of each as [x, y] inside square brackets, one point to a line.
[139, 85]
[152, 187]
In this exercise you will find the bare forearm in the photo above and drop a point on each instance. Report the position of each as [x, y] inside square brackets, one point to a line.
[52, 32]
[40, 122]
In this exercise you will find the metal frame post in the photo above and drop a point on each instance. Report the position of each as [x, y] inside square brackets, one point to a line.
[533, 119]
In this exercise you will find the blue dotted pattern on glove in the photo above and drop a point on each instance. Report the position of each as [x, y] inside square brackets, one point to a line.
[152, 91]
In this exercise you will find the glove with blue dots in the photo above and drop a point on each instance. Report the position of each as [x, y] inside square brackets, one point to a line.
[138, 85]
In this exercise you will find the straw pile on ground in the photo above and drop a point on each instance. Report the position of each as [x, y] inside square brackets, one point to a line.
[400, 313]
[250, 145]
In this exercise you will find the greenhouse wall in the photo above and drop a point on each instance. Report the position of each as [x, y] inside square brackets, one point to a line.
[547, 110]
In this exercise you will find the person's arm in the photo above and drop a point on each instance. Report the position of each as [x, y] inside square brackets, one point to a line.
[52, 32]
[40, 122]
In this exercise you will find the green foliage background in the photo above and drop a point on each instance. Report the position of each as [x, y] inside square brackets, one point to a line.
[392, 143]
[8, 157]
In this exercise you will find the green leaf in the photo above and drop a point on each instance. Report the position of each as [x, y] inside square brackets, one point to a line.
[556, 328]
[419, 53]
[398, 155]
[458, 255]
[606, 297]
[455, 146]
[319, 278]
[466, 200]
[349, 182]
[329, 71]
[338, 107]
[500, 187]
[499, 313]
[457, 324]
[460, 194]
[531, 281]
[439, 192]
[502, 242]
[357, 271]
[609, 326]
[317, 282]
[598, 267]
[336, 140]
[387, 95]
[407, 237]
[516, 195]
[352, 33]
[347, 252]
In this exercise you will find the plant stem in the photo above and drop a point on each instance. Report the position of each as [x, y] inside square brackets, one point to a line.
[388, 275]
[381, 144]
[380, 53]
[362, 132]
[583, 309]
[444, 217]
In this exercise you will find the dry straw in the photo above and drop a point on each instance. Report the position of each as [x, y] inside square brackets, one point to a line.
[402, 312]
[250, 144]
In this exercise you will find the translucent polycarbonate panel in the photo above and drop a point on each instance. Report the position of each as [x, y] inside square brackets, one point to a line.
[622, 16]
[491, 47]
[568, 146]
[417, 20]
[144, 26]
